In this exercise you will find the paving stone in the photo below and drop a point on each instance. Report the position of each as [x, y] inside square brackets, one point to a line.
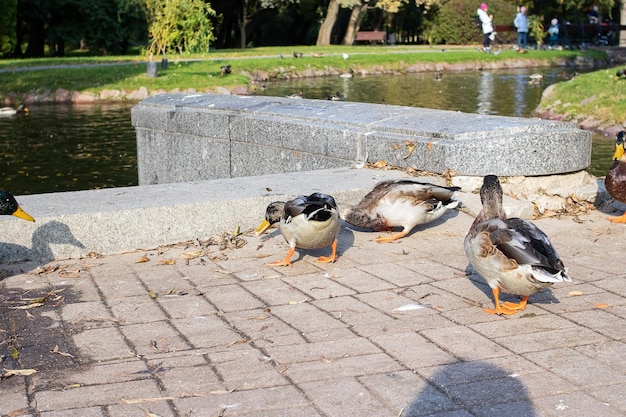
[102, 344]
[264, 328]
[325, 351]
[320, 285]
[576, 367]
[404, 390]
[13, 397]
[330, 368]
[233, 298]
[274, 291]
[413, 351]
[185, 306]
[94, 395]
[206, 331]
[466, 350]
[132, 310]
[273, 401]
[345, 397]
[551, 339]
[159, 336]
[81, 412]
[573, 404]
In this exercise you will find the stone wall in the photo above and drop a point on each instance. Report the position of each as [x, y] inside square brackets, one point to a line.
[191, 137]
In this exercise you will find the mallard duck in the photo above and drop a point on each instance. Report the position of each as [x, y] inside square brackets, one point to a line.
[615, 180]
[512, 255]
[9, 207]
[335, 97]
[306, 222]
[10, 111]
[296, 95]
[226, 69]
[620, 74]
[400, 203]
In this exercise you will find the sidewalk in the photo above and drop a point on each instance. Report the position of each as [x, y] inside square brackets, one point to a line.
[388, 330]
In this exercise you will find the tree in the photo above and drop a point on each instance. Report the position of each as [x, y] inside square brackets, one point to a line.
[8, 24]
[182, 26]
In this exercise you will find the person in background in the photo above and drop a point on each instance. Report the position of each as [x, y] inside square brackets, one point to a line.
[521, 23]
[553, 33]
[487, 27]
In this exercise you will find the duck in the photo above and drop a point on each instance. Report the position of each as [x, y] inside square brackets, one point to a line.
[335, 97]
[306, 222]
[512, 255]
[438, 75]
[297, 54]
[615, 180]
[400, 203]
[10, 111]
[226, 69]
[9, 207]
[620, 74]
[296, 95]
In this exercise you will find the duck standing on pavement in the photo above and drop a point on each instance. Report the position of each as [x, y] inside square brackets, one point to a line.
[615, 180]
[512, 255]
[9, 207]
[306, 222]
[400, 203]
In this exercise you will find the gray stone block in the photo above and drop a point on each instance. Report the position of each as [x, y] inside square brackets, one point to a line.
[273, 134]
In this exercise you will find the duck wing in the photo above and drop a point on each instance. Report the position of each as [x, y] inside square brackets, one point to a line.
[526, 244]
[315, 207]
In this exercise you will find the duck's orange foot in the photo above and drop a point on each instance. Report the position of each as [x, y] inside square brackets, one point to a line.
[284, 262]
[326, 259]
[516, 306]
[499, 310]
[620, 219]
[383, 239]
[332, 257]
[279, 263]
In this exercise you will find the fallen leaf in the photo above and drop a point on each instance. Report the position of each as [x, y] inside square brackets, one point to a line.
[144, 400]
[14, 352]
[601, 306]
[575, 293]
[167, 262]
[326, 360]
[58, 352]
[221, 391]
[15, 413]
[27, 306]
[142, 259]
[430, 146]
[149, 414]
[19, 372]
[261, 317]
[410, 147]
[298, 302]
[153, 295]
[192, 255]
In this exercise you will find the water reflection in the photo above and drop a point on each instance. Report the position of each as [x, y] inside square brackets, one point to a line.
[67, 148]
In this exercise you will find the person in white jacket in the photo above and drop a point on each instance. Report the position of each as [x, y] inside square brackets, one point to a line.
[487, 27]
[521, 23]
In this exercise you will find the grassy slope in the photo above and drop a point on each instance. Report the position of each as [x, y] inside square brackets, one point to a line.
[595, 95]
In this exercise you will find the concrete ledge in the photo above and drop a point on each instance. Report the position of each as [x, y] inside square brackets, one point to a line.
[115, 220]
[190, 137]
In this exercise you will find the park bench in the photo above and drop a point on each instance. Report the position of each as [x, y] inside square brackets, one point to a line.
[371, 36]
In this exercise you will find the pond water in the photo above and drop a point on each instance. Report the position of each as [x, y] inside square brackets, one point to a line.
[66, 148]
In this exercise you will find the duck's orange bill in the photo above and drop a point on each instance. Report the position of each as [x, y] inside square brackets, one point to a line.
[23, 215]
[262, 228]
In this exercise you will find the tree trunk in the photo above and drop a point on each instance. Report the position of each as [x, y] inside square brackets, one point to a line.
[36, 39]
[354, 23]
[622, 20]
[323, 36]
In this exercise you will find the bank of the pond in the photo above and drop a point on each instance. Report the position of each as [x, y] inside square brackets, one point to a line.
[109, 83]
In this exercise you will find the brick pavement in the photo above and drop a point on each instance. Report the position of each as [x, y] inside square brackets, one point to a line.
[224, 335]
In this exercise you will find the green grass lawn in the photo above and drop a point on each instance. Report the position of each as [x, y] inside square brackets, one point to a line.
[203, 71]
